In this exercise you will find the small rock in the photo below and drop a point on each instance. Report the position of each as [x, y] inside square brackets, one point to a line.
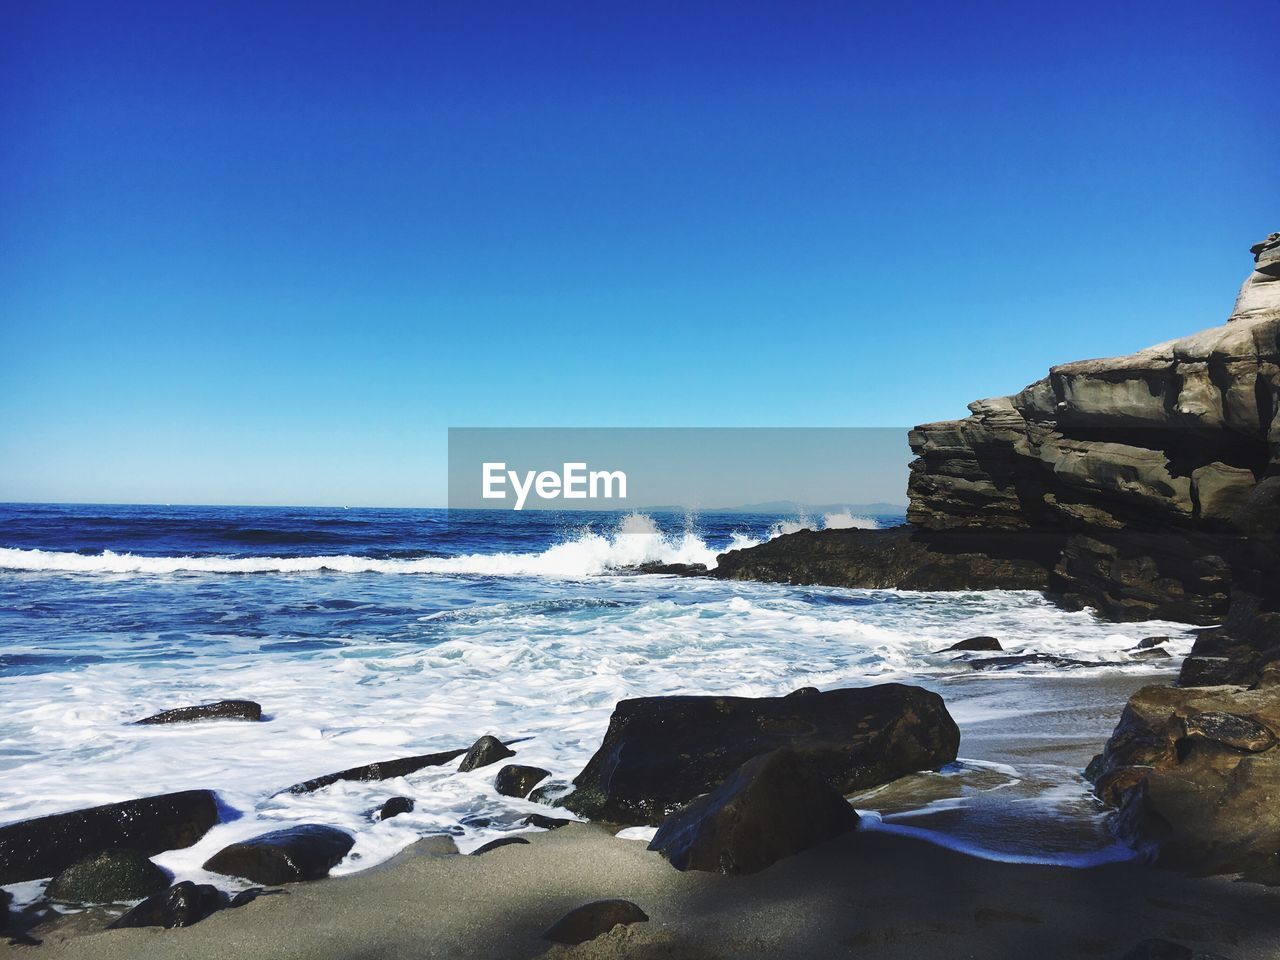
[221, 710]
[1152, 653]
[495, 844]
[546, 823]
[1148, 642]
[483, 752]
[382, 770]
[304, 852]
[1231, 730]
[515, 780]
[804, 692]
[551, 793]
[977, 643]
[592, 919]
[771, 807]
[394, 807]
[181, 905]
[111, 876]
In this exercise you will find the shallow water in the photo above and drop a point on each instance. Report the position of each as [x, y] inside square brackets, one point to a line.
[355, 663]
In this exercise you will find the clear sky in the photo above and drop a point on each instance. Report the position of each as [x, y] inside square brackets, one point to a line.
[268, 252]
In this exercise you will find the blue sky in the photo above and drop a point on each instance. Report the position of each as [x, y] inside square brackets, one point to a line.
[268, 253]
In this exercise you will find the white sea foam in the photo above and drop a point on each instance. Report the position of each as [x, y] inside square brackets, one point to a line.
[636, 540]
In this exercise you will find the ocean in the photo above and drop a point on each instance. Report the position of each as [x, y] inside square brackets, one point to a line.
[369, 634]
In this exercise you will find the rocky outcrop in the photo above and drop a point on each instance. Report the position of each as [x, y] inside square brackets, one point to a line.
[661, 752]
[221, 710]
[771, 807]
[45, 846]
[304, 852]
[1195, 774]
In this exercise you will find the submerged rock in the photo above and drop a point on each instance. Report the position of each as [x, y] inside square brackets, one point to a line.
[382, 770]
[592, 919]
[977, 643]
[483, 752]
[546, 823]
[45, 846]
[304, 852]
[516, 780]
[1195, 772]
[495, 844]
[771, 807]
[661, 752]
[394, 807]
[551, 792]
[181, 905]
[108, 877]
[221, 710]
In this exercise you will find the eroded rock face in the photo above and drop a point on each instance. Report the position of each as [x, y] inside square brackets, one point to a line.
[771, 807]
[1196, 772]
[661, 752]
[45, 846]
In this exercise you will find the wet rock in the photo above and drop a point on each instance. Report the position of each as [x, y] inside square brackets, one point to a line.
[483, 752]
[45, 846]
[771, 807]
[674, 569]
[592, 919]
[221, 710]
[108, 877]
[546, 823]
[1013, 661]
[552, 792]
[898, 557]
[661, 752]
[182, 905]
[394, 807]
[1195, 772]
[804, 692]
[1152, 653]
[1148, 642]
[977, 643]
[495, 844]
[382, 770]
[304, 852]
[515, 780]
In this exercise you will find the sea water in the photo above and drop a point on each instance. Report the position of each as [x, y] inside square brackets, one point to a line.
[368, 635]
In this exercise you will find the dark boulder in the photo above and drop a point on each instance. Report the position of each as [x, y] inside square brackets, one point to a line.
[977, 643]
[771, 807]
[1152, 653]
[45, 846]
[382, 770]
[304, 852]
[592, 919]
[394, 807]
[1147, 642]
[483, 752]
[516, 780]
[221, 710]
[495, 844]
[661, 752]
[181, 905]
[109, 877]
[546, 823]
[804, 692]
[674, 569]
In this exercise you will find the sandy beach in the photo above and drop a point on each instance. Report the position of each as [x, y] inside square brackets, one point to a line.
[868, 895]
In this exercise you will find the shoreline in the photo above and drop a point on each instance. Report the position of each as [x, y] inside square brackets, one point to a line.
[867, 895]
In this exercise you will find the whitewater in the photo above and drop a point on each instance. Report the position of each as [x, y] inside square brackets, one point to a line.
[373, 635]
